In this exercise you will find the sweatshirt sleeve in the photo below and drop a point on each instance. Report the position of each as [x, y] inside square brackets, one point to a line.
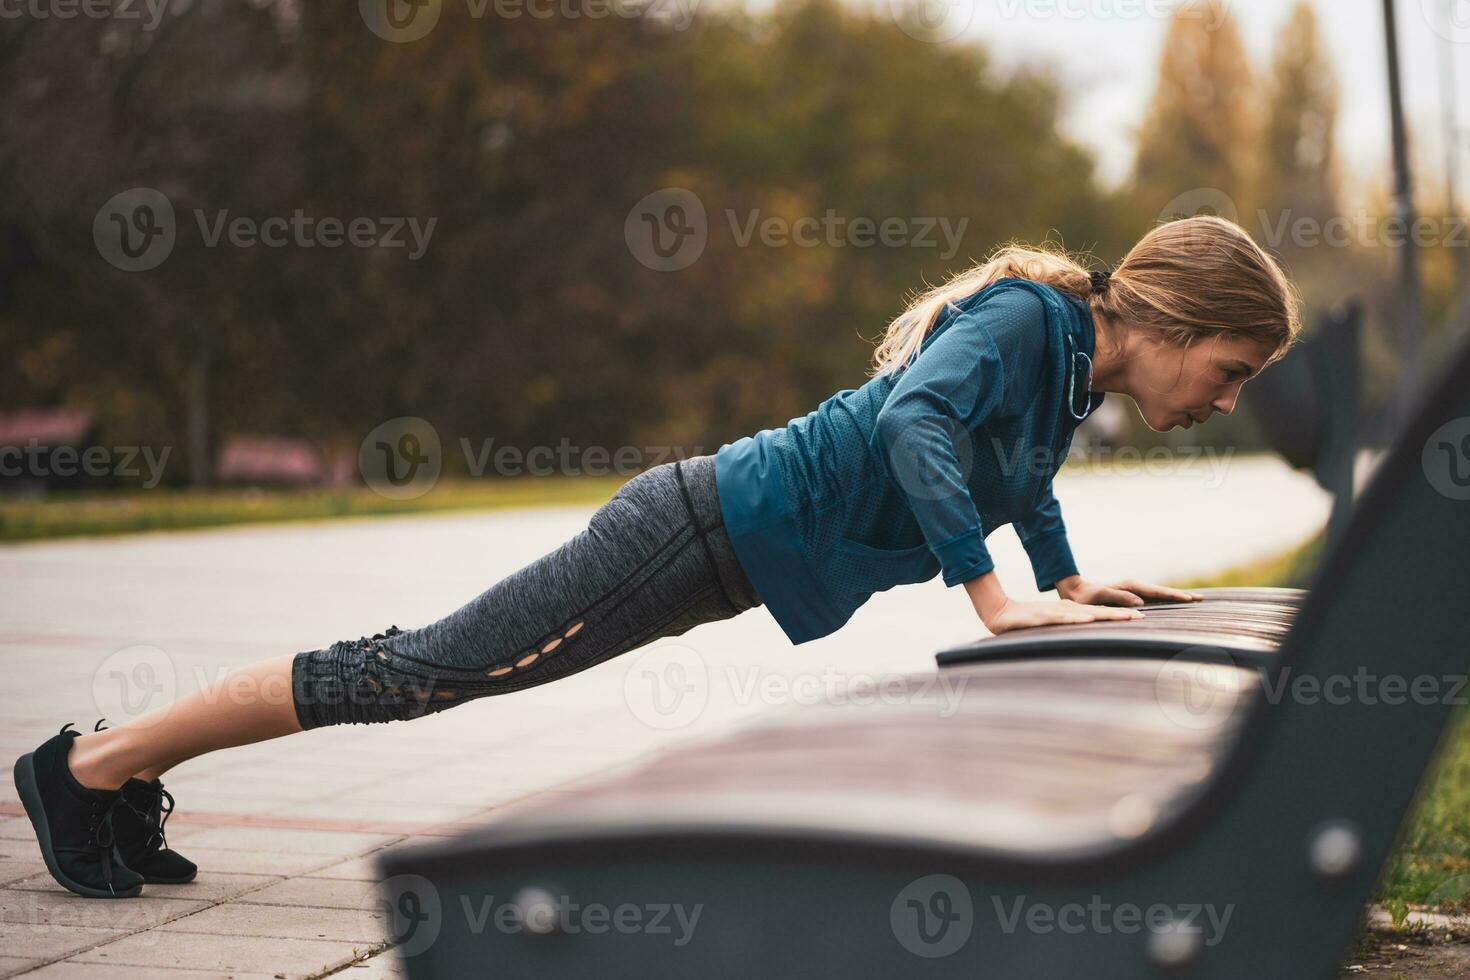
[923, 428]
[1044, 537]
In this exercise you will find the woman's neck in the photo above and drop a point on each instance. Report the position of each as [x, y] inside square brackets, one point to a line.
[1109, 362]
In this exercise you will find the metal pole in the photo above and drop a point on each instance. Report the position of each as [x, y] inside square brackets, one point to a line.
[1409, 311]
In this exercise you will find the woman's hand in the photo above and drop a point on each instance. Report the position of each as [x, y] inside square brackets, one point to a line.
[1015, 615]
[1126, 593]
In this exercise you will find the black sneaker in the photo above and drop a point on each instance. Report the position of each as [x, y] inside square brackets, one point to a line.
[138, 824]
[73, 824]
[140, 841]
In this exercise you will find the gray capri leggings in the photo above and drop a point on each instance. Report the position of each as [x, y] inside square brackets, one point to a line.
[653, 561]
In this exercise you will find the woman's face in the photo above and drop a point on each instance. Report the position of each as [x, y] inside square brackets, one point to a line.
[1175, 387]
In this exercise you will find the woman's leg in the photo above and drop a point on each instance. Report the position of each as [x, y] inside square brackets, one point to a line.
[653, 562]
[217, 717]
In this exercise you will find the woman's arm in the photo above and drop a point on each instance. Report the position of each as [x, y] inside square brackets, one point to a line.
[1044, 536]
[961, 379]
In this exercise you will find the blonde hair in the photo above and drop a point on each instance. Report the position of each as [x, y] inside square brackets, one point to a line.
[1184, 280]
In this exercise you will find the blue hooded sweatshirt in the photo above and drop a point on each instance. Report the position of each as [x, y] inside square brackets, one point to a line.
[903, 478]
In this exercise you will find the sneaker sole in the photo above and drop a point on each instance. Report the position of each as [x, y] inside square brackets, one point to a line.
[155, 880]
[30, 797]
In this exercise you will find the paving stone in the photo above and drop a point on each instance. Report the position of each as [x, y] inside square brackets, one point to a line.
[14, 870]
[322, 844]
[77, 970]
[387, 965]
[47, 941]
[353, 869]
[12, 965]
[364, 925]
[211, 887]
[191, 951]
[213, 860]
[16, 828]
[315, 893]
[41, 909]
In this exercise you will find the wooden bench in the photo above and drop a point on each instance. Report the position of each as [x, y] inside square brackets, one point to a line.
[1244, 625]
[1102, 801]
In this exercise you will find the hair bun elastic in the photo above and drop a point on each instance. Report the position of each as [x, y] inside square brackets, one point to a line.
[1100, 280]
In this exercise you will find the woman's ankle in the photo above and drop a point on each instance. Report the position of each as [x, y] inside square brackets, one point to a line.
[94, 761]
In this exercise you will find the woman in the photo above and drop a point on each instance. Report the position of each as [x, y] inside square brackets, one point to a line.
[977, 388]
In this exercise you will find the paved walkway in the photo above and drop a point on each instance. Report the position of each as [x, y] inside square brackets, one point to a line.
[285, 831]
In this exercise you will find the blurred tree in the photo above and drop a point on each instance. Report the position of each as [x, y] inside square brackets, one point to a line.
[1197, 132]
[1296, 178]
[527, 141]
